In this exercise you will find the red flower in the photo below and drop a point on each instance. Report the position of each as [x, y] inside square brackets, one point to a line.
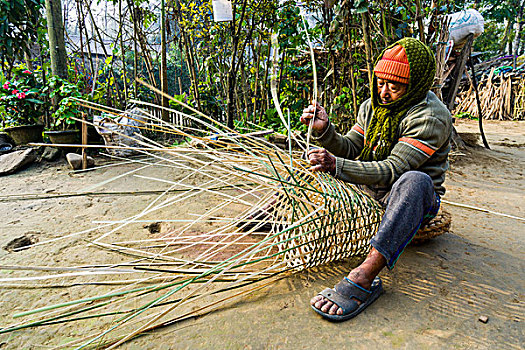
[14, 92]
[21, 95]
[6, 85]
[27, 72]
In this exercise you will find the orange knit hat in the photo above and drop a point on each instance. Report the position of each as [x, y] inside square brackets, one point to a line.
[394, 65]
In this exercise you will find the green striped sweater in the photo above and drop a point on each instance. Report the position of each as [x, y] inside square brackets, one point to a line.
[423, 145]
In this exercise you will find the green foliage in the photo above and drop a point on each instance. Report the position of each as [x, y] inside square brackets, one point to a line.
[195, 18]
[20, 21]
[289, 28]
[296, 75]
[343, 10]
[499, 11]
[488, 41]
[20, 99]
[213, 50]
[274, 122]
[182, 98]
[63, 92]
[465, 115]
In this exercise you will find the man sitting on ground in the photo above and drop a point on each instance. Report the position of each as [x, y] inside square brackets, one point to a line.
[397, 152]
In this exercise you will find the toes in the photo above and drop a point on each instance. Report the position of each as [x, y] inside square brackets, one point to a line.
[319, 304]
[334, 309]
[315, 299]
[327, 305]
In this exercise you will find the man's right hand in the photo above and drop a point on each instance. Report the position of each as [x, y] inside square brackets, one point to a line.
[320, 122]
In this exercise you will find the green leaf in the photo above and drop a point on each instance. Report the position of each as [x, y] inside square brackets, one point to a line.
[34, 100]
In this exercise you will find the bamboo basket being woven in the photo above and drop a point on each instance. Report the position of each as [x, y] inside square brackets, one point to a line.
[337, 223]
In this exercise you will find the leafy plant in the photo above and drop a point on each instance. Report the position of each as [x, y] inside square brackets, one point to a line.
[20, 99]
[63, 92]
[20, 21]
[465, 115]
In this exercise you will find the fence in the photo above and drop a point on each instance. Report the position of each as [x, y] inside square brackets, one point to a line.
[174, 117]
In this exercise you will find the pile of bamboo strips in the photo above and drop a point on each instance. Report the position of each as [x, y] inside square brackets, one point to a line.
[499, 96]
[519, 102]
[204, 262]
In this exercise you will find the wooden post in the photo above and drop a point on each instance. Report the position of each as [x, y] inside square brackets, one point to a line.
[480, 115]
[455, 79]
[457, 73]
[84, 141]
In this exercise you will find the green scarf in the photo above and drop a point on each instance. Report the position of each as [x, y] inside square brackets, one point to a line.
[381, 133]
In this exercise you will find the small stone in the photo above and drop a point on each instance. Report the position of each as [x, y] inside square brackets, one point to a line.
[483, 319]
[75, 161]
[50, 154]
[21, 243]
[154, 227]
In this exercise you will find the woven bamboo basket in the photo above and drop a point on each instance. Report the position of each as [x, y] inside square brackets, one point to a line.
[435, 227]
[337, 223]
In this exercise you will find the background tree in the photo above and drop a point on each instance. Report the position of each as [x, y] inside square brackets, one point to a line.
[55, 30]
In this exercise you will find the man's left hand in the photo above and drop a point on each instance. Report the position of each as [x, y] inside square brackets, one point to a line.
[321, 160]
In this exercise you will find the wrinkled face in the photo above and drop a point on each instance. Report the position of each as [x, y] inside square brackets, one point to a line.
[389, 91]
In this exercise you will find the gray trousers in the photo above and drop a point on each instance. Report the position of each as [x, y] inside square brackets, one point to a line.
[410, 203]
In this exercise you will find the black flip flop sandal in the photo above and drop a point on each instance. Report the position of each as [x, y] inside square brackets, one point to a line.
[342, 295]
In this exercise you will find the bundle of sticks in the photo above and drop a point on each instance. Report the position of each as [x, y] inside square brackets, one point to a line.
[499, 96]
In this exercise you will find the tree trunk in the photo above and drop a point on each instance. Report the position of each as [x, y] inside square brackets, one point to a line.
[163, 63]
[368, 46]
[80, 25]
[505, 40]
[232, 72]
[384, 22]
[131, 8]
[517, 40]
[419, 20]
[265, 80]
[245, 91]
[457, 73]
[190, 62]
[27, 57]
[230, 85]
[353, 82]
[55, 30]
[122, 52]
[105, 51]
[256, 83]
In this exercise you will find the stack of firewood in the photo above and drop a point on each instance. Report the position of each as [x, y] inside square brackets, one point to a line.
[501, 98]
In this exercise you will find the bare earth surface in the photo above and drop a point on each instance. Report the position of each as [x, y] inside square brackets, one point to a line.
[433, 298]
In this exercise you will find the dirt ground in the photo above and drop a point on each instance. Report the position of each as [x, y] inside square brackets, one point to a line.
[433, 300]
